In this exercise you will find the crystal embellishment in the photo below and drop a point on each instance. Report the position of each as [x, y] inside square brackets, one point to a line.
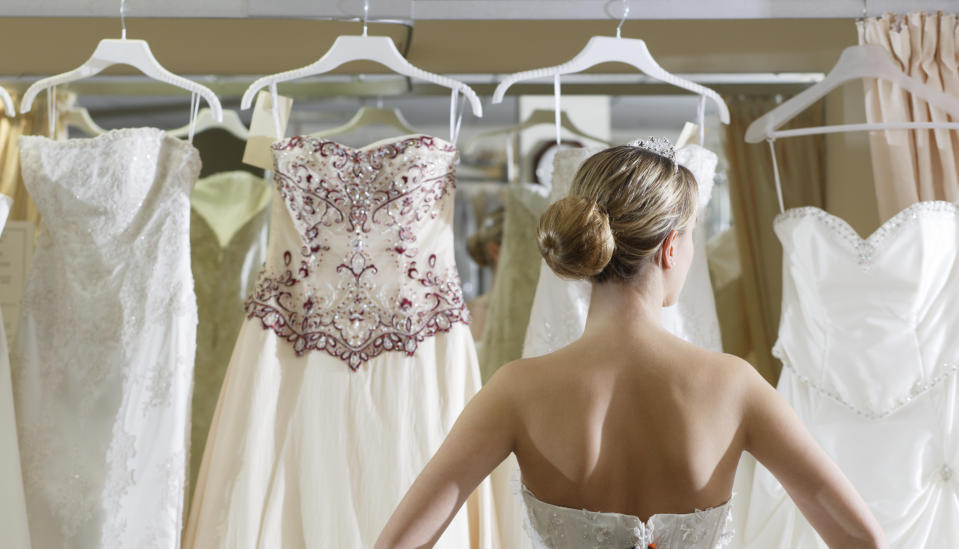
[658, 145]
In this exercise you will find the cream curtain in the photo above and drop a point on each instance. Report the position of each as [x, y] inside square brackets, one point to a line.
[34, 122]
[753, 195]
[913, 165]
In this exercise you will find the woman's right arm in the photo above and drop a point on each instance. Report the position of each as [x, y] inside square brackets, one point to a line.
[779, 440]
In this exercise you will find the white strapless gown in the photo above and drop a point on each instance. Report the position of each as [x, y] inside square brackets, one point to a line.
[354, 360]
[104, 358]
[556, 527]
[868, 341]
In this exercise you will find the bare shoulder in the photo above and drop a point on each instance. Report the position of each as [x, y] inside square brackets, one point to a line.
[517, 376]
[730, 372]
[735, 369]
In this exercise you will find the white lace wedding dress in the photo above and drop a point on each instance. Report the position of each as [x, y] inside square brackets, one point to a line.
[868, 344]
[13, 508]
[560, 306]
[355, 358]
[104, 357]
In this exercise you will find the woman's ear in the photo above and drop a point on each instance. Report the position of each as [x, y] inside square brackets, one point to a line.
[667, 252]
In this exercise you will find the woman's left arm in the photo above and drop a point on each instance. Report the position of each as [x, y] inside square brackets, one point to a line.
[481, 438]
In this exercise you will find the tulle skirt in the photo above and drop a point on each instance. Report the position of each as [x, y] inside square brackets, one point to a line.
[304, 452]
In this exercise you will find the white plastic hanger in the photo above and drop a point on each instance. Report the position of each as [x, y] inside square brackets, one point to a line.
[204, 121]
[79, 117]
[8, 105]
[380, 49]
[370, 116]
[606, 49]
[536, 118]
[135, 53]
[854, 63]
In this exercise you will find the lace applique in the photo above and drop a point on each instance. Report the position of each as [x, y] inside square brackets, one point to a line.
[122, 477]
[360, 284]
[557, 527]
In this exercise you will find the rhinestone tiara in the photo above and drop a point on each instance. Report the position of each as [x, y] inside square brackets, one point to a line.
[658, 145]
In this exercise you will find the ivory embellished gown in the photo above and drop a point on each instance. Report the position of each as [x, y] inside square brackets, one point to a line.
[354, 360]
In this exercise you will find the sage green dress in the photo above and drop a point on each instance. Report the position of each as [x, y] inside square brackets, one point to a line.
[229, 221]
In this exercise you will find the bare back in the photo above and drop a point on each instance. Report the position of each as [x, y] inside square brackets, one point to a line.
[641, 426]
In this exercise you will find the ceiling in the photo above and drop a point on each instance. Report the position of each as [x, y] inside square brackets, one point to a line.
[472, 9]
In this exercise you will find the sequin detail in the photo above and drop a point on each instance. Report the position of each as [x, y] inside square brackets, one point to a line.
[361, 283]
[918, 389]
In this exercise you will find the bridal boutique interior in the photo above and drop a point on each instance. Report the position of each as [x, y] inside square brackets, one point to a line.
[242, 307]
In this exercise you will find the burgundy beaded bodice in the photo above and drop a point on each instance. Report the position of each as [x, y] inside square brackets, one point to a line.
[361, 247]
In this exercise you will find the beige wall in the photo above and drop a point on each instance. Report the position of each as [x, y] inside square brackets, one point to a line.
[33, 46]
[37, 46]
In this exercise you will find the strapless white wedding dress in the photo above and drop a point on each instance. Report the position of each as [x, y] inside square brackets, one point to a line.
[556, 527]
[104, 356]
[869, 350]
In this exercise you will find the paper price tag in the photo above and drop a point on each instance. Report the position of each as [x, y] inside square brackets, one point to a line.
[690, 134]
[263, 129]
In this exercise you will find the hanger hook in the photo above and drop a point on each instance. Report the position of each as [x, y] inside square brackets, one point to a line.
[123, 19]
[366, 14]
[864, 9]
[619, 28]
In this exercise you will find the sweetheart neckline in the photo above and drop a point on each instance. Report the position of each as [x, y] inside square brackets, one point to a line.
[280, 143]
[843, 226]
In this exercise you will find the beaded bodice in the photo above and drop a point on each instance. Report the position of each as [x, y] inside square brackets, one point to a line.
[360, 259]
[557, 527]
[881, 308]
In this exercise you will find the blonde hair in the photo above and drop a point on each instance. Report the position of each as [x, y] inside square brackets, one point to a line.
[623, 203]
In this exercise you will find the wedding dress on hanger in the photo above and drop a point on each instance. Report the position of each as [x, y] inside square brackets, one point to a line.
[104, 356]
[512, 295]
[229, 221]
[13, 510]
[355, 358]
[560, 306]
[867, 342]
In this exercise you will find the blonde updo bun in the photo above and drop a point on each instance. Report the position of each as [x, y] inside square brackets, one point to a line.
[623, 203]
[575, 238]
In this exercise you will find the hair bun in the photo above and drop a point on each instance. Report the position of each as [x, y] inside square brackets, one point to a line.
[575, 238]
